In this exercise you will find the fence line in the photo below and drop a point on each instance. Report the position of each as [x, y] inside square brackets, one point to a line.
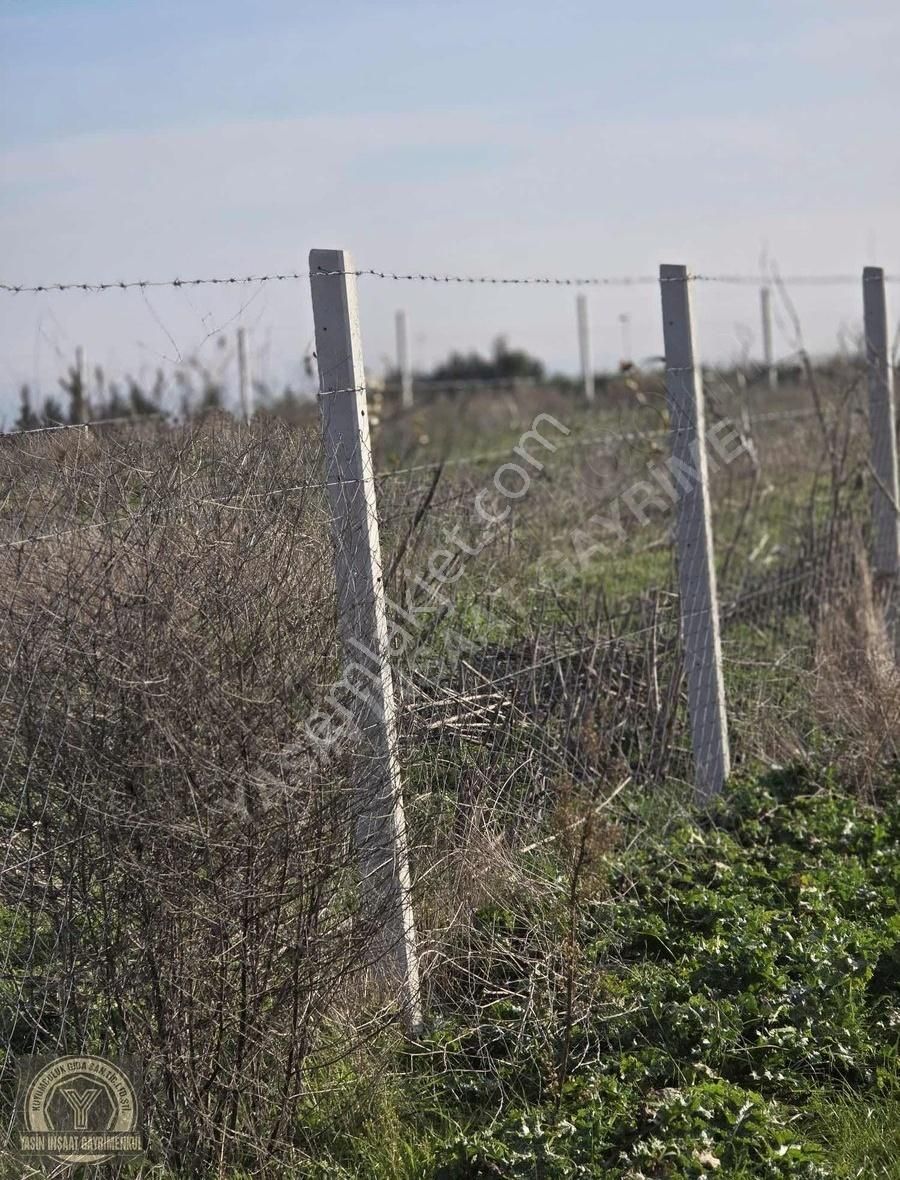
[359, 576]
[154, 677]
[805, 280]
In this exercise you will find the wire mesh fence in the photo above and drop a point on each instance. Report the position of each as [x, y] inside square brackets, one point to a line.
[180, 877]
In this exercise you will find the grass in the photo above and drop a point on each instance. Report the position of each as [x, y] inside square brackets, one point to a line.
[736, 1011]
[860, 1138]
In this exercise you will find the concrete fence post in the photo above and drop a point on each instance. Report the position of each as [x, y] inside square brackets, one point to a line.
[765, 307]
[403, 364]
[883, 434]
[378, 801]
[625, 322]
[584, 347]
[245, 386]
[694, 542]
[80, 410]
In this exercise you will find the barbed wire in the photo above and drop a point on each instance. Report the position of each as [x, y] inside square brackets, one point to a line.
[54, 427]
[424, 277]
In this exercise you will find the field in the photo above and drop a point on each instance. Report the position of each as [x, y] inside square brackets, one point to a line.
[615, 982]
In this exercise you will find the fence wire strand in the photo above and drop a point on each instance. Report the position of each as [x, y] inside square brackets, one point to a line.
[800, 280]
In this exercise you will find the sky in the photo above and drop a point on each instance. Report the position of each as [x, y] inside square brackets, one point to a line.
[164, 140]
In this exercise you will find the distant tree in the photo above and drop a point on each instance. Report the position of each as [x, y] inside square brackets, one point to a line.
[504, 364]
[74, 387]
[289, 406]
[27, 419]
[200, 389]
[109, 401]
[114, 405]
[52, 414]
[211, 397]
[515, 362]
[142, 403]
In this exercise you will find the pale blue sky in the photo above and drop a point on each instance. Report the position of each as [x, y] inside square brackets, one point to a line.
[149, 140]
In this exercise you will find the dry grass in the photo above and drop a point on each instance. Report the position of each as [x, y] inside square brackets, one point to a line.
[180, 880]
[855, 692]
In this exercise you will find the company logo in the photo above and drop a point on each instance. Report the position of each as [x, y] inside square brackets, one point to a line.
[79, 1110]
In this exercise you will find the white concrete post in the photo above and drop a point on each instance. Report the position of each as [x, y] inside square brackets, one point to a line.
[403, 365]
[765, 307]
[245, 387]
[380, 824]
[80, 407]
[696, 568]
[625, 321]
[584, 347]
[883, 434]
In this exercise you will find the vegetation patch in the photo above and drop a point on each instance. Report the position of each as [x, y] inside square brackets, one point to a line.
[721, 998]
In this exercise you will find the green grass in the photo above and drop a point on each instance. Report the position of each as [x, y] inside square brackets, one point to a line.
[736, 1012]
[861, 1137]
